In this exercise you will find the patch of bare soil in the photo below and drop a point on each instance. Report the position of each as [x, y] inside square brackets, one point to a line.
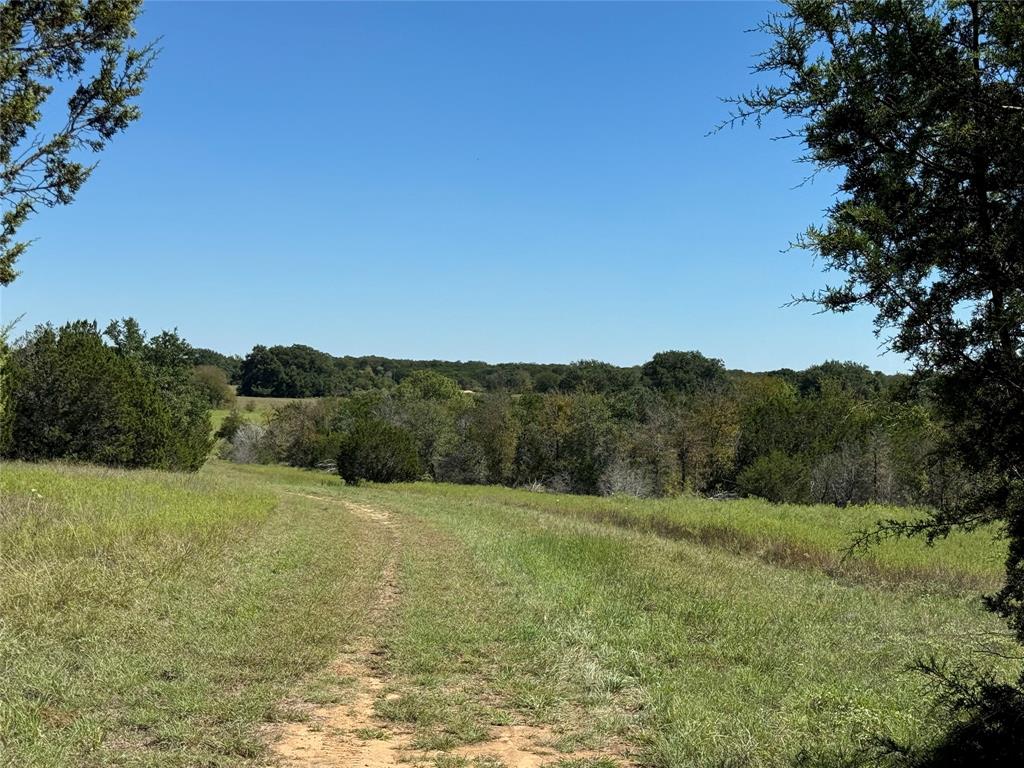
[350, 735]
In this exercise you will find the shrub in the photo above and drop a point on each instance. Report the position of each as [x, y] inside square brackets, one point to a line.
[230, 425]
[466, 464]
[622, 479]
[299, 434]
[378, 451]
[248, 445]
[131, 404]
[212, 383]
[776, 476]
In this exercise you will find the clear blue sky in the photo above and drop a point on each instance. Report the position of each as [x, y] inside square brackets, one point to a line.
[501, 182]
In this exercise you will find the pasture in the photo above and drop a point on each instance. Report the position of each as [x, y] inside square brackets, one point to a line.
[254, 615]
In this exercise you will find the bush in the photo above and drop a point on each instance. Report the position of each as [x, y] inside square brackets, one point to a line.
[378, 451]
[777, 477]
[465, 464]
[248, 445]
[230, 425]
[622, 479]
[300, 434]
[131, 404]
[212, 382]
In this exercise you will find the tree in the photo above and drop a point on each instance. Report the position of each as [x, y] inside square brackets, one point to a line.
[429, 385]
[230, 364]
[44, 43]
[492, 427]
[546, 381]
[595, 376]
[378, 451]
[709, 436]
[130, 404]
[682, 372]
[589, 444]
[300, 433]
[920, 107]
[293, 371]
[261, 374]
[213, 383]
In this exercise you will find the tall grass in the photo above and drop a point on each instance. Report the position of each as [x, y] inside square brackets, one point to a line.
[815, 537]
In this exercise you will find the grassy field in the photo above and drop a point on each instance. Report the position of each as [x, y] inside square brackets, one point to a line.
[159, 619]
[257, 409]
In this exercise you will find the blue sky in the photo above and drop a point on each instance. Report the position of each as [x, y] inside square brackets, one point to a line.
[459, 181]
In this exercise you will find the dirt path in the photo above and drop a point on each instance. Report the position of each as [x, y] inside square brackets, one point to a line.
[350, 735]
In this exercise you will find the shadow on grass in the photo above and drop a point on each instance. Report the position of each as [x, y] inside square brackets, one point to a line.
[984, 728]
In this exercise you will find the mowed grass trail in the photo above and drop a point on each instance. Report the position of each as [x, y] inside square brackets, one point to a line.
[660, 650]
[692, 655]
[159, 619]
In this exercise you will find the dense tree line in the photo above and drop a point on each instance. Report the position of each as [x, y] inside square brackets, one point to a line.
[302, 371]
[684, 425]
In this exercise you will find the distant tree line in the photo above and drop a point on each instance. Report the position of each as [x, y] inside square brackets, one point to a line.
[302, 371]
[834, 433]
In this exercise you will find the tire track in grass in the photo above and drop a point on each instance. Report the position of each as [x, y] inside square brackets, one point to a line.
[351, 734]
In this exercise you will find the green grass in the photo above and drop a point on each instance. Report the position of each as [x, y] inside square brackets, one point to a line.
[255, 409]
[158, 619]
[789, 535]
[218, 415]
[693, 655]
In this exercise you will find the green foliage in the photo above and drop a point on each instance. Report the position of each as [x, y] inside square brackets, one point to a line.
[5, 385]
[377, 451]
[300, 434]
[776, 476]
[546, 381]
[589, 443]
[230, 364]
[595, 376]
[44, 43]
[230, 425]
[832, 443]
[132, 404]
[492, 426]
[708, 438]
[430, 385]
[295, 371]
[543, 424]
[920, 107]
[212, 382]
[683, 372]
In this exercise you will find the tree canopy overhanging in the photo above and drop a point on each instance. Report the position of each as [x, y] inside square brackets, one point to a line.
[919, 106]
[49, 47]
